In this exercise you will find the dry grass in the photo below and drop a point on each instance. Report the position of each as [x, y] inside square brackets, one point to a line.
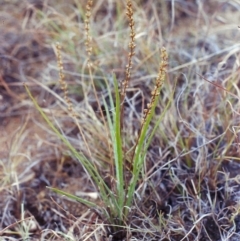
[190, 186]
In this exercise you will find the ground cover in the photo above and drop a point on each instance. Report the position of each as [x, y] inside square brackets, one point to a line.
[188, 186]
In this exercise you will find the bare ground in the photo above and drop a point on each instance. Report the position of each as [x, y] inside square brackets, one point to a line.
[191, 188]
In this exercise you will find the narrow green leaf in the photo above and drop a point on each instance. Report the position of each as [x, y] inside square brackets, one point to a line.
[90, 168]
[75, 198]
[141, 148]
[118, 148]
[160, 118]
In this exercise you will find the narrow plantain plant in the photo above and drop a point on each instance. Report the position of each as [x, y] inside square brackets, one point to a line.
[117, 199]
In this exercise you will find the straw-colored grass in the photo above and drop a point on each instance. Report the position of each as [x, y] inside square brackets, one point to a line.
[154, 157]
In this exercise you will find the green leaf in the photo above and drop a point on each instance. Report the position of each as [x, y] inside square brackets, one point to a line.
[75, 198]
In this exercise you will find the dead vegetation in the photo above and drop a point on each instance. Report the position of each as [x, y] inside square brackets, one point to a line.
[190, 184]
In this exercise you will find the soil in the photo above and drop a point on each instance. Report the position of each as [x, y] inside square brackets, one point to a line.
[32, 158]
